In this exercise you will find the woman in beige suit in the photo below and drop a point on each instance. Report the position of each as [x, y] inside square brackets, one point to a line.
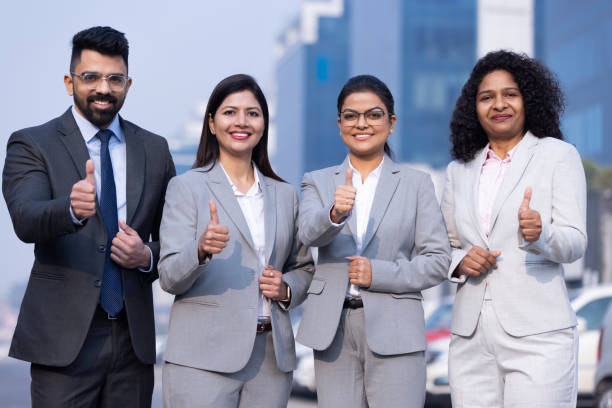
[515, 210]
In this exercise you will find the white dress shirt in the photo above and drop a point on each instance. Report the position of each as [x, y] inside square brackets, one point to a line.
[361, 210]
[117, 149]
[252, 206]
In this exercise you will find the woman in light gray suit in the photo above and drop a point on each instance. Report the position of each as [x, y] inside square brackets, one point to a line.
[381, 240]
[228, 241]
[515, 209]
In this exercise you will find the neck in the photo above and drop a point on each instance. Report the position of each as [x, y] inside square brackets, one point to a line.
[501, 147]
[366, 164]
[239, 170]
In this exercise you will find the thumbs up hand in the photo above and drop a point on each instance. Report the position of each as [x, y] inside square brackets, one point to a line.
[214, 239]
[344, 199]
[530, 223]
[83, 194]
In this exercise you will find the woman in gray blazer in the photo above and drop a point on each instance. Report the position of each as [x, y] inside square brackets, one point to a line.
[228, 241]
[515, 209]
[381, 240]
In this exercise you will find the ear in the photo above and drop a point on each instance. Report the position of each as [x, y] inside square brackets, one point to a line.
[69, 84]
[127, 86]
[393, 120]
[211, 124]
[339, 123]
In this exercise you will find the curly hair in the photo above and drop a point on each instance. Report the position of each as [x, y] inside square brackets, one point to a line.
[543, 102]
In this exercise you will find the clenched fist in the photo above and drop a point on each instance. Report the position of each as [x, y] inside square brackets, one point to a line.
[360, 271]
[530, 222]
[271, 284]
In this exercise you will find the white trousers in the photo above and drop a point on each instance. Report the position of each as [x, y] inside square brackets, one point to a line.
[491, 368]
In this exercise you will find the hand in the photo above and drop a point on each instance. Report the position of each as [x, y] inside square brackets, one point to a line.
[214, 239]
[530, 222]
[360, 271]
[128, 250]
[477, 261]
[271, 284]
[344, 198]
[83, 194]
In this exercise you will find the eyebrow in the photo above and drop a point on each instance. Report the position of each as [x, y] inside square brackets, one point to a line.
[504, 89]
[235, 107]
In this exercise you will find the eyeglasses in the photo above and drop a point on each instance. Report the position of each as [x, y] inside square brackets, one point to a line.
[116, 82]
[373, 117]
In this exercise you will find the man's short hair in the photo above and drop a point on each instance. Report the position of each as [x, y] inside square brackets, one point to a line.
[105, 40]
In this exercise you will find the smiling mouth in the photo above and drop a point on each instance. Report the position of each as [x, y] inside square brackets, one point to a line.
[501, 117]
[363, 136]
[240, 135]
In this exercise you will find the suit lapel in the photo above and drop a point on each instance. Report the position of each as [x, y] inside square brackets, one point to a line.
[73, 142]
[340, 180]
[222, 190]
[270, 213]
[474, 180]
[135, 168]
[387, 184]
[522, 156]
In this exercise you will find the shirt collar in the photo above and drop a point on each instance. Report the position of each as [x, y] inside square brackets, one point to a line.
[89, 130]
[491, 154]
[253, 190]
[375, 173]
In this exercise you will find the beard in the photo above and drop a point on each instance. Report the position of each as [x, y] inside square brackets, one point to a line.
[98, 117]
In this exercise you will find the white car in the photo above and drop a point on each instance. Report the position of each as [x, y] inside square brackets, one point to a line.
[590, 305]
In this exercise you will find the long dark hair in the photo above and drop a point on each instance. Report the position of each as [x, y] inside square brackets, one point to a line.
[208, 150]
[369, 83]
[542, 100]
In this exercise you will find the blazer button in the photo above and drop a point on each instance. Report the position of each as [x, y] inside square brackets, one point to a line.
[102, 248]
[97, 283]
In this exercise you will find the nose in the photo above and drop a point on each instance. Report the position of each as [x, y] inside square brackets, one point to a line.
[102, 86]
[242, 118]
[361, 121]
[500, 103]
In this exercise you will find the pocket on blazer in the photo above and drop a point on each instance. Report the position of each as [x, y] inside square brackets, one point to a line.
[316, 286]
[198, 302]
[42, 273]
[409, 295]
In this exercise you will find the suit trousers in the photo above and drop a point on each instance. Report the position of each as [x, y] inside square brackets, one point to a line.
[106, 372]
[260, 384]
[348, 374]
[492, 369]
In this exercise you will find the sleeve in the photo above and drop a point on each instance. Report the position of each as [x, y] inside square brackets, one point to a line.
[429, 265]
[448, 211]
[179, 266]
[315, 226]
[563, 239]
[37, 216]
[299, 267]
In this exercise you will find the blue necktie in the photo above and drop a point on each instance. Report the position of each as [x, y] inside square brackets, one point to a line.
[111, 294]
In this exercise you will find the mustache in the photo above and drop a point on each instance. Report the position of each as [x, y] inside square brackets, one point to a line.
[102, 97]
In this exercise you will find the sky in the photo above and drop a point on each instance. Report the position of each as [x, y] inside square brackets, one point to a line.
[179, 50]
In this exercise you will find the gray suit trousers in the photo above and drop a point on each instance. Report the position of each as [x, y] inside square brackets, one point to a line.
[260, 384]
[349, 374]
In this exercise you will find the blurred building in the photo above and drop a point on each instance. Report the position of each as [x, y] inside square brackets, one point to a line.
[573, 39]
[422, 50]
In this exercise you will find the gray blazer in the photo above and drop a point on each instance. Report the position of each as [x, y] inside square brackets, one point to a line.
[214, 315]
[527, 287]
[405, 241]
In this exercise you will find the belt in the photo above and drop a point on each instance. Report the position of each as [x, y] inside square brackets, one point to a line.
[101, 313]
[352, 303]
[264, 327]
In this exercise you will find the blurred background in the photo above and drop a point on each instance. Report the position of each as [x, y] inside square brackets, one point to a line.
[302, 52]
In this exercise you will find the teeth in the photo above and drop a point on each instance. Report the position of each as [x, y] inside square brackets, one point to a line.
[101, 102]
[240, 134]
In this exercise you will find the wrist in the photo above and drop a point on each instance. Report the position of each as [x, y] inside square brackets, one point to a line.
[145, 262]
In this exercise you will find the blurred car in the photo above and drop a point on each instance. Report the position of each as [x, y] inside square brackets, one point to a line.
[590, 305]
[438, 322]
[603, 375]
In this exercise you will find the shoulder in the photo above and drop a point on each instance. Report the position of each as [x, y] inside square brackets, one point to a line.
[556, 144]
[150, 138]
[39, 131]
[281, 186]
[321, 175]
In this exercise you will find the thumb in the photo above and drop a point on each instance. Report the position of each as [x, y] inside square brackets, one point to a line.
[526, 199]
[496, 254]
[89, 172]
[349, 177]
[214, 218]
[126, 228]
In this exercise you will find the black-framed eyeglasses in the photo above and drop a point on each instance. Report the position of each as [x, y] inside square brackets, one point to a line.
[373, 117]
[116, 82]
